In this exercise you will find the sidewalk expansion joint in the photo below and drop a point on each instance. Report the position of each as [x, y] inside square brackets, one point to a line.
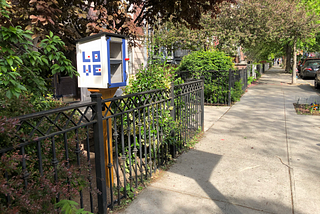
[290, 169]
[219, 118]
[213, 199]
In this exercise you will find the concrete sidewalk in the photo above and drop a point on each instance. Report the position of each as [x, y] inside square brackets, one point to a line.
[259, 157]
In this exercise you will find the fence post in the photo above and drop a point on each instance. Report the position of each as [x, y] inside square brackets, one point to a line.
[229, 91]
[99, 154]
[246, 78]
[173, 115]
[202, 104]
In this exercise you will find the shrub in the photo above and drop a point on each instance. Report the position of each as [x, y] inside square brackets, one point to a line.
[258, 74]
[236, 91]
[158, 75]
[205, 61]
[250, 80]
[215, 83]
[42, 190]
[155, 76]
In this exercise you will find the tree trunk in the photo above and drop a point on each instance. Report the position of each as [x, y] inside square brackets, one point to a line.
[294, 80]
[288, 58]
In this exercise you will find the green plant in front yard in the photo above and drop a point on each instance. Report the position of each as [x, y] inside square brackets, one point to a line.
[24, 66]
[250, 80]
[236, 91]
[155, 76]
[258, 74]
[129, 190]
[40, 194]
[215, 83]
[206, 61]
[158, 75]
[70, 207]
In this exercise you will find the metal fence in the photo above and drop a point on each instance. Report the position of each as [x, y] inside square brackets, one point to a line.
[115, 143]
[217, 84]
[260, 68]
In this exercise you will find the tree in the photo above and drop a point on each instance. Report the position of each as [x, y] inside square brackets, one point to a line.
[71, 20]
[261, 22]
[312, 44]
[188, 11]
[178, 36]
[24, 69]
[75, 19]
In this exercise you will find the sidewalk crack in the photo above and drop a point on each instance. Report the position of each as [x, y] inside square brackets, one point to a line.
[284, 163]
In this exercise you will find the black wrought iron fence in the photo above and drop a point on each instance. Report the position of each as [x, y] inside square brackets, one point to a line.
[236, 76]
[101, 150]
[217, 84]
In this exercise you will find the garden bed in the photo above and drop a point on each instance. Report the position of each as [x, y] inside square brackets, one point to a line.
[307, 109]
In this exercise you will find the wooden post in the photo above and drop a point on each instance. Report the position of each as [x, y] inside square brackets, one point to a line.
[107, 93]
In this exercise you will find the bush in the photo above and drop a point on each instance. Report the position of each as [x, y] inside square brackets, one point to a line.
[236, 91]
[205, 61]
[155, 76]
[215, 84]
[40, 194]
[158, 75]
[258, 74]
[26, 104]
[250, 80]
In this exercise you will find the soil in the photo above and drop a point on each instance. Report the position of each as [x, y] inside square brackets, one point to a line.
[305, 109]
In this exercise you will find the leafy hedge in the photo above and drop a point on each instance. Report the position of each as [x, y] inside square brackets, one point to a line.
[155, 76]
[206, 61]
[216, 84]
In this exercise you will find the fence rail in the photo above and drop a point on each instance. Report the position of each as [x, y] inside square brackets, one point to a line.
[112, 145]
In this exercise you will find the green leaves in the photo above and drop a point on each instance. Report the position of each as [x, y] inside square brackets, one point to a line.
[155, 76]
[3, 6]
[263, 27]
[16, 54]
[56, 59]
[24, 69]
[10, 61]
[69, 207]
[205, 61]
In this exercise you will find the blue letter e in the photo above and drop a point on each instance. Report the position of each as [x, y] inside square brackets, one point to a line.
[96, 70]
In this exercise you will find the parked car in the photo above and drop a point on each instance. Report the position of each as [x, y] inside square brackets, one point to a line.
[317, 79]
[303, 61]
[310, 68]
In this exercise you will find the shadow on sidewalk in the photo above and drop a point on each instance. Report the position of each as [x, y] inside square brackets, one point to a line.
[179, 192]
[199, 166]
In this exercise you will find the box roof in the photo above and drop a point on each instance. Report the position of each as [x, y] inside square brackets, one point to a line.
[99, 35]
